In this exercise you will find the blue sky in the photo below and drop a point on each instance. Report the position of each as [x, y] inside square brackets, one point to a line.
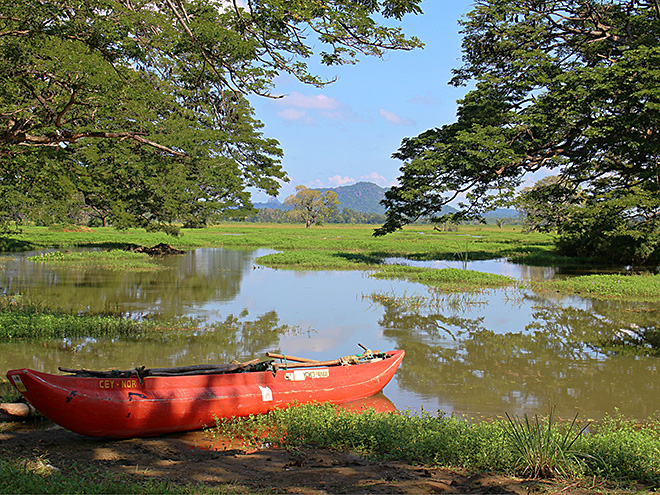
[347, 131]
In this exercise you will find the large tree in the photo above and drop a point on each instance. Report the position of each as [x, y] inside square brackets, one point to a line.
[140, 105]
[571, 86]
[310, 206]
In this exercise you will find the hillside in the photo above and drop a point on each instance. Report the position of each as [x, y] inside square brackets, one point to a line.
[365, 197]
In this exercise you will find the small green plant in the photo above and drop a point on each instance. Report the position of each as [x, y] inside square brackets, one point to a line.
[542, 449]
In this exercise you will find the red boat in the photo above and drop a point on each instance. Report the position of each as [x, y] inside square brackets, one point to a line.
[140, 403]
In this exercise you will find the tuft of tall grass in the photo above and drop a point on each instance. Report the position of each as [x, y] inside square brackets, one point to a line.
[542, 448]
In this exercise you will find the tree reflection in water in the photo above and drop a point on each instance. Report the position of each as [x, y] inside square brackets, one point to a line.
[570, 355]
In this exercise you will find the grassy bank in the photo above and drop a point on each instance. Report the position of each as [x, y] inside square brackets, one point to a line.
[616, 451]
[614, 456]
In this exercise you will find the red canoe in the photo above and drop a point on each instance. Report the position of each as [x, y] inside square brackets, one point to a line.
[153, 405]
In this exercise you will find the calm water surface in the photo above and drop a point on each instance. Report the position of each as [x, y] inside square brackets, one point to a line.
[484, 354]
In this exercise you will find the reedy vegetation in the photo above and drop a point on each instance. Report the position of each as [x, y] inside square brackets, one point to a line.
[616, 450]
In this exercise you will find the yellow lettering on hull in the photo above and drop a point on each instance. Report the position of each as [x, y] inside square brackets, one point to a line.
[117, 384]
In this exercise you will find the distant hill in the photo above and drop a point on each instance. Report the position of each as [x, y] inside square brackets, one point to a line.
[365, 197]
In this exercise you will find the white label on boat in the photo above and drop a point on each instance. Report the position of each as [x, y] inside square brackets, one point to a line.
[266, 394]
[300, 375]
[19, 383]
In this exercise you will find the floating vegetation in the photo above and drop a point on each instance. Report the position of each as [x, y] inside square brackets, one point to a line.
[115, 259]
[445, 279]
[644, 287]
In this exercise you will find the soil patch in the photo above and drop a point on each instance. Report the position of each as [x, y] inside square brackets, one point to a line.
[189, 459]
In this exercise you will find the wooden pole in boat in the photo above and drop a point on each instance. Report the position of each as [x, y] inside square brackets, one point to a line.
[290, 358]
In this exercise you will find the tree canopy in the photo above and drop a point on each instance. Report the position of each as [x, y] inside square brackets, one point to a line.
[138, 107]
[568, 86]
[310, 206]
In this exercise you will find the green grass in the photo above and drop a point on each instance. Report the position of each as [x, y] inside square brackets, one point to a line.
[619, 452]
[114, 259]
[7, 391]
[644, 287]
[445, 279]
[36, 475]
[345, 241]
[24, 320]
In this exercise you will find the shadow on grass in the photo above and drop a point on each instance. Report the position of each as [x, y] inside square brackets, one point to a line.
[109, 245]
[8, 245]
[362, 258]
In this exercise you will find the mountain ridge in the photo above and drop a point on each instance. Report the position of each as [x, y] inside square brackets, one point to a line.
[365, 197]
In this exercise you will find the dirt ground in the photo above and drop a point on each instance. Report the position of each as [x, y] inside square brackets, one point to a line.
[188, 458]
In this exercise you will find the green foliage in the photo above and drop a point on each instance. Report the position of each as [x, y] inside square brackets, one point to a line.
[560, 87]
[624, 450]
[311, 206]
[138, 111]
[8, 392]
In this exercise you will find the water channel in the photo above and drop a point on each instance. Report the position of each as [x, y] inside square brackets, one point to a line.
[480, 355]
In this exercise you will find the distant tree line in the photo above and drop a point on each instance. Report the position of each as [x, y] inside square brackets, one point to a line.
[345, 215]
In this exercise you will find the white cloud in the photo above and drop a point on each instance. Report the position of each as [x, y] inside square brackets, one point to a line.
[317, 102]
[292, 114]
[393, 118]
[338, 180]
[310, 108]
[376, 178]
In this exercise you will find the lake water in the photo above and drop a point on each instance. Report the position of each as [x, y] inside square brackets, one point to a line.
[483, 354]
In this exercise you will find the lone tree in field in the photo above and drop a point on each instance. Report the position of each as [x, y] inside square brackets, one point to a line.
[571, 87]
[139, 107]
[310, 206]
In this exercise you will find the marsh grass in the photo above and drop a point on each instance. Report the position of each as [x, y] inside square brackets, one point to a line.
[25, 320]
[641, 287]
[446, 279]
[617, 452]
[108, 260]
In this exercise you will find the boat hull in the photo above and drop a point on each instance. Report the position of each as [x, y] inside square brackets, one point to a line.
[129, 407]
